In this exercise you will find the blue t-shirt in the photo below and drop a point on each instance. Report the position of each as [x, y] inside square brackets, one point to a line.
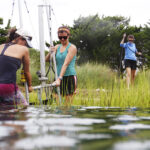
[130, 50]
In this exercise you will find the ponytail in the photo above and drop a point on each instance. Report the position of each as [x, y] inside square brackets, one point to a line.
[12, 35]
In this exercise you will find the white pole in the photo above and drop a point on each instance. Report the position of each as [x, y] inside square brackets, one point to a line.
[41, 39]
[49, 19]
[21, 26]
[20, 14]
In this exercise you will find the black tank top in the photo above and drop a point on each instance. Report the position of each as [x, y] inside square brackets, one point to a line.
[8, 67]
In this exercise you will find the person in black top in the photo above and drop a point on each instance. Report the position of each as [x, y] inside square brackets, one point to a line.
[12, 54]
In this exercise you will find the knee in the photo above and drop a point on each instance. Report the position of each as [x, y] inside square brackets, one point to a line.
[128, 74]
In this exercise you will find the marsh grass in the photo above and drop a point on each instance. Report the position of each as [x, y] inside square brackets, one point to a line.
[98, 85]
[117, 94]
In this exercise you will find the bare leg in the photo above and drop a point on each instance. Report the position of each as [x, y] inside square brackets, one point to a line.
[128, 77]
[68, 100]
[132, 76]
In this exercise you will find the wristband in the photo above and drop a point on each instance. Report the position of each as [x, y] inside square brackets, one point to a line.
[60, 78]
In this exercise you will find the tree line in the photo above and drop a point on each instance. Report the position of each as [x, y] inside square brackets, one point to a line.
[98, 39]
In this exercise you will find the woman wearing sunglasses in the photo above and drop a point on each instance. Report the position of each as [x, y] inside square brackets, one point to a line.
[12, 54]
[65, 61]
[130, 58]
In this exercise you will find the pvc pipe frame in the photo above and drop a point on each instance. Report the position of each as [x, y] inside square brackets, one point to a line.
[21, 25]
[42, 52]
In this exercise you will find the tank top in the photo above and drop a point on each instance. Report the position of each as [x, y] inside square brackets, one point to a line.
[9, 67]
[60, 58]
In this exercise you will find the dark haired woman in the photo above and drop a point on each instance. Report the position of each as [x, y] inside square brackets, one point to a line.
[65, 61]
[12, 54]
[130, 58]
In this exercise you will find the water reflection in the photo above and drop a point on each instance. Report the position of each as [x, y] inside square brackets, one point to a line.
[67, 128]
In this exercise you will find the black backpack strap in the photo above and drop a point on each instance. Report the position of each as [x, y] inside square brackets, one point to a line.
[131, 49]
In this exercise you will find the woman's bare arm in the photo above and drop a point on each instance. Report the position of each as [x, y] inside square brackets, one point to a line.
[26, 62]
[122, 41]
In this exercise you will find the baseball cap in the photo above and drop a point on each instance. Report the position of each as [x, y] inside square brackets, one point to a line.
[26, 35]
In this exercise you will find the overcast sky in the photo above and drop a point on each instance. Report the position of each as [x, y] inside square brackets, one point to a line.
[66, 11]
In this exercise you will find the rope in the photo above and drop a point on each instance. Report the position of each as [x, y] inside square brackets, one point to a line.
[26, 6]
[31, 23]
[12, 12]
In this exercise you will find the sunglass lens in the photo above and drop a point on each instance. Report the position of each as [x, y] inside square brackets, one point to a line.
[62, 37]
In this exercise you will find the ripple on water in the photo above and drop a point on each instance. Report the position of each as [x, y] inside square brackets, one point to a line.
[3, 146]
[62, 121]
[44, 129]
[45, 141]
[131, 126]
[94, 136]
[132, 145]
[144, 118]
[69, 121]
[5, 131]
[92, 107]
[126, 118]
[35, 126]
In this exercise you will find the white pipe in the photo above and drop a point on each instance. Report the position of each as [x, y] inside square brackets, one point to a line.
[46, 85]
[41, 39]
[49, 20]
[21, 26]
[20, 14]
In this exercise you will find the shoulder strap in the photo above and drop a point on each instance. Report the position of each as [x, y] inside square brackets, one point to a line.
[130, 48]
[5, 47]
[68, 46]
[58, 47]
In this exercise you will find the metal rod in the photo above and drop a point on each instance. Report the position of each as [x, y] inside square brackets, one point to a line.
[20, 14]
[41, 39]
[51, 43]
[46, 85]
[26, 92]
[21, 26]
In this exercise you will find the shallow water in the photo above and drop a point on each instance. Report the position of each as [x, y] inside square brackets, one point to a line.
[75, 128]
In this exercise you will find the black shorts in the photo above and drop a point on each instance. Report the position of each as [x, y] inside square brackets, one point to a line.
[130, 63]
[68, 85]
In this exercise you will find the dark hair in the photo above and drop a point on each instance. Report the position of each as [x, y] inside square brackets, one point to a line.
[12, 35]
[131, 36]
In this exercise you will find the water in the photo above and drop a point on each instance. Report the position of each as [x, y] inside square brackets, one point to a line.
[75, 128]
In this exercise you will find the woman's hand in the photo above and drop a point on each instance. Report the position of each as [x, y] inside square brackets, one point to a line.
[52, 49]
[124, 35]
[139, 53]
[57, 82]
[30, 88]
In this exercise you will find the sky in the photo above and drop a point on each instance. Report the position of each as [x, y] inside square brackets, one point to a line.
[66, 11]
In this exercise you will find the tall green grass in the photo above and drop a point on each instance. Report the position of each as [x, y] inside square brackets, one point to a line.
[117, 94]
[98, 85]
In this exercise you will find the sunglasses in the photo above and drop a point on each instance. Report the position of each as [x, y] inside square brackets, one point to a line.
[27, 38]
[63, 37]
[131, 39]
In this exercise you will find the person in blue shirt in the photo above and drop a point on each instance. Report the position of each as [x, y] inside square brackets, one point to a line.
[65, 61]
[130, 58]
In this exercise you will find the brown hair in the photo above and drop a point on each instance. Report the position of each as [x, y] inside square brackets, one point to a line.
[12, 35]
[131, 36]
[64, 29]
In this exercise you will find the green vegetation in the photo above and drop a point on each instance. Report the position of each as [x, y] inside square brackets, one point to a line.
[97, 39]
[98, 85]
[115, 94]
